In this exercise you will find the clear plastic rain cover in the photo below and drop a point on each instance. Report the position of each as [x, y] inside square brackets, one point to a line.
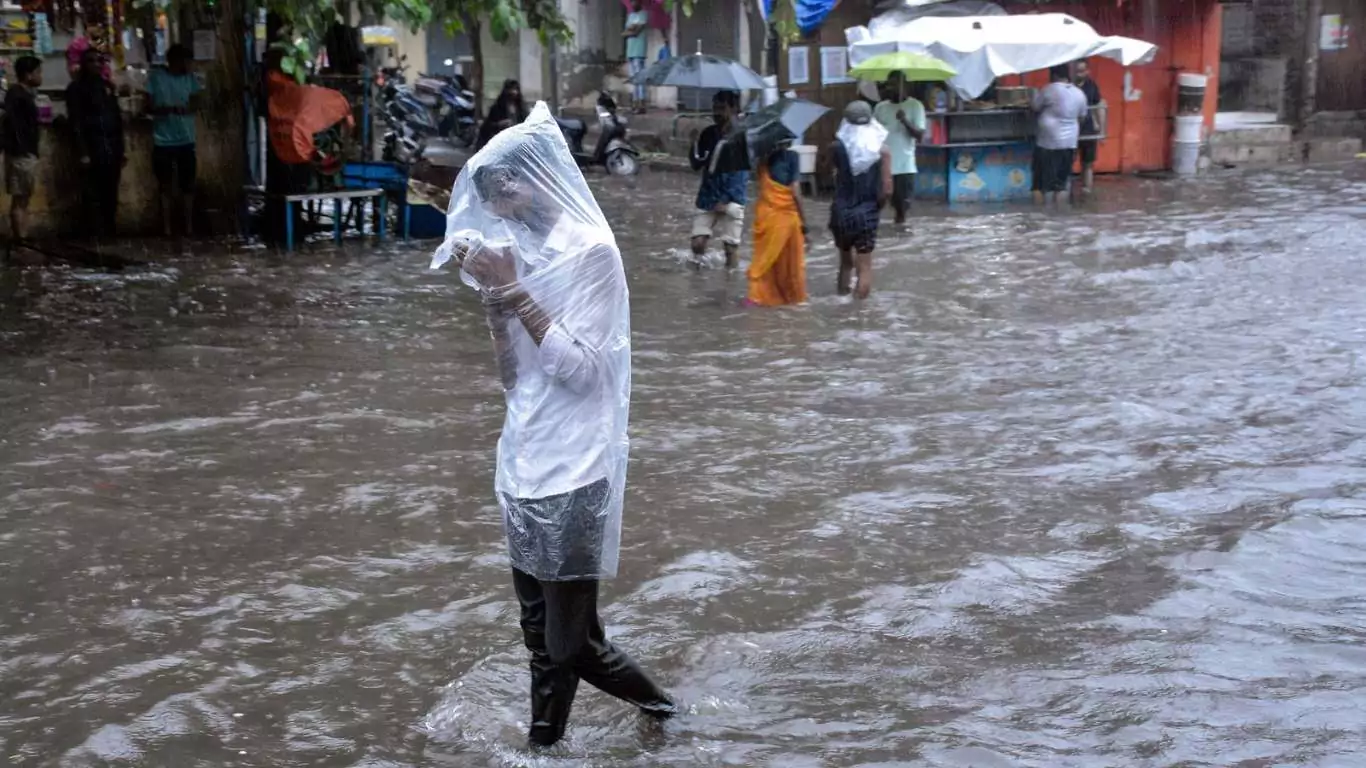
[863, 144]
[528, 235]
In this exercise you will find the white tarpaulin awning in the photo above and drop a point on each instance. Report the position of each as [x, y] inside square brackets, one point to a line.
[983, 48]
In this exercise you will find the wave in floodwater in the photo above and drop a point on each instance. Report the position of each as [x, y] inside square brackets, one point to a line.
[1078, 488]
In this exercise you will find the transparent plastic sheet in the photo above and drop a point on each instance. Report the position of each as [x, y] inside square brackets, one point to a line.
[527, 234]
[863, 143]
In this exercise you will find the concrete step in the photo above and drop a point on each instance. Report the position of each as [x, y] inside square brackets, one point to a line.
[1257, 153]
[1332, 150]
[1251, 134]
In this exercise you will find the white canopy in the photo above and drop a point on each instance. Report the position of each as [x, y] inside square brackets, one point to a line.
[983, 48]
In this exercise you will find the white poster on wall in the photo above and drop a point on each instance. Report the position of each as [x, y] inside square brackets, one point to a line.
[835, 65]
[798, 65]
[1332, 34]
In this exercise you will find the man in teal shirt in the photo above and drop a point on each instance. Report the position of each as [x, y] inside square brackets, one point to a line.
[904, 118]
[170, 92]
[637, 28]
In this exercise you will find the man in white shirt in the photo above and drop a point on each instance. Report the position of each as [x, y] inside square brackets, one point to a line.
[904, 118]
[1062, 108]
[530, 237]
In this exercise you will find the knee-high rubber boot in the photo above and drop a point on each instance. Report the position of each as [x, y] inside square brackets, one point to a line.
[552, 685]
[552, 696]
[612, 671]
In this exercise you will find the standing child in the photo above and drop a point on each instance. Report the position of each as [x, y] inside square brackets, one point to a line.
[863, 182]
[20, 142]
[170, 99]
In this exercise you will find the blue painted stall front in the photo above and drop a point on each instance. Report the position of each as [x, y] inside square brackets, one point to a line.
[977, 156]
[992, 173]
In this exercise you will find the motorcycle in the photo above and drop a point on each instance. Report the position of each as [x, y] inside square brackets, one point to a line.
[409, 115]
[458, 118]
[613, 150]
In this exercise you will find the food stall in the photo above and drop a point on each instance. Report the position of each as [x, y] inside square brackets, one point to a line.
[980, 139]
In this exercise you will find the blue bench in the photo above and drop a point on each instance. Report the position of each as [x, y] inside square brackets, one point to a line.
[337, 197]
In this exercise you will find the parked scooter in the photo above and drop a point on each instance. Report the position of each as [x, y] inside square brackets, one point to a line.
[613, 150]
[458, 115]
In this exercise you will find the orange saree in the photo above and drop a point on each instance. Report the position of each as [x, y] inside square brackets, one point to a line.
[777, 272]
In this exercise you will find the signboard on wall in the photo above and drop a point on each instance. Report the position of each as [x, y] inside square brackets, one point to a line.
[798, 65]
[1332, 33]
[835, 65]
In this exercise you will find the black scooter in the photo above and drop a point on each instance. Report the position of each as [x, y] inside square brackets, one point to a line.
[613, 151]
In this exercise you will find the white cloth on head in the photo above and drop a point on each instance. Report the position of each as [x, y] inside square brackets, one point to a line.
[863, 144]
[523, 197]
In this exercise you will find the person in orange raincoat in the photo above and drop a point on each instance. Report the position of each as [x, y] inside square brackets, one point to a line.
[777, 272]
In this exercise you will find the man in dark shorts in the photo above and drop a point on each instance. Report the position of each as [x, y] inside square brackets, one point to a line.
[863, 182]
[20, 142]
[170, 94]
[1061, 107]
[1094, 124]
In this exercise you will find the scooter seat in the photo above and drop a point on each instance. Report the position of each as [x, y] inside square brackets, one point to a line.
[572, 125]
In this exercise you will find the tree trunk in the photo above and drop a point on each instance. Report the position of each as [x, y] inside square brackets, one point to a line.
[1309, 73]
[476, 78]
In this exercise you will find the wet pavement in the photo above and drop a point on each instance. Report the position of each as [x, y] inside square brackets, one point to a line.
[1072, 489]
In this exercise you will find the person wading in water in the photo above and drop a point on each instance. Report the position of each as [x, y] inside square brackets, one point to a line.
[532, 240]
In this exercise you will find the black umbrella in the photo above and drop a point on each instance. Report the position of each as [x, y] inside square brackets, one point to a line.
[758, 133]
[700, 70]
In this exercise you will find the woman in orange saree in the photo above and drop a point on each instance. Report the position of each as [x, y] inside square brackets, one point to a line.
[777, 272]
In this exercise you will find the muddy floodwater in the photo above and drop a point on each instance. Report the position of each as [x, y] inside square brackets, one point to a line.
[1072, 489]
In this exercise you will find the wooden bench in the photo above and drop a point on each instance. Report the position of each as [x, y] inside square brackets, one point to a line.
[336, 196]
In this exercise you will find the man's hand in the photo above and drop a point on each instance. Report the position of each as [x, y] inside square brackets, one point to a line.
[901, 115]
[494, 269]
[720, 208]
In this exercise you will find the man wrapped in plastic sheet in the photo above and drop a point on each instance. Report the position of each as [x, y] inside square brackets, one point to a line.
[528, 235]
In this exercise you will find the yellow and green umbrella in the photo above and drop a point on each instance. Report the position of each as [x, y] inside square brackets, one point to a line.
[914, 66]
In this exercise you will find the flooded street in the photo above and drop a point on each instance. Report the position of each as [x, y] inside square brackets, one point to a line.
[1072, 489]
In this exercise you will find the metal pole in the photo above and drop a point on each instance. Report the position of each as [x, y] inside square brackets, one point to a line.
[1310, 74]
[554, 77]
[773, 51]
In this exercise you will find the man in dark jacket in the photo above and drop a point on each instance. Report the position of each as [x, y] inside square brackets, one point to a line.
[19, 141]
[721, 196]
[93, 110]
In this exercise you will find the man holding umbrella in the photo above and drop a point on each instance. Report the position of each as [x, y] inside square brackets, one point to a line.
[721, 196]
[904, 118]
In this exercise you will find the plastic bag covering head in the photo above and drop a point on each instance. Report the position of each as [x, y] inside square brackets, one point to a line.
[527, 233]
[863, 143]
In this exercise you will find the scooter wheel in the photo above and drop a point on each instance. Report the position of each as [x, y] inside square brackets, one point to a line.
[622, 163]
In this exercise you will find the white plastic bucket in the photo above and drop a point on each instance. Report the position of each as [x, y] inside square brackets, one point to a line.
[1188, 129]
[1190, 93]
[1185, 157]
[806, 157]
[1192, 80]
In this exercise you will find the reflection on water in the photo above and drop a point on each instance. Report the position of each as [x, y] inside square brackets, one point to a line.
[1071, 489]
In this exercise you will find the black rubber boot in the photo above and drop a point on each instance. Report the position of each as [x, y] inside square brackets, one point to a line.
[561, 628]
